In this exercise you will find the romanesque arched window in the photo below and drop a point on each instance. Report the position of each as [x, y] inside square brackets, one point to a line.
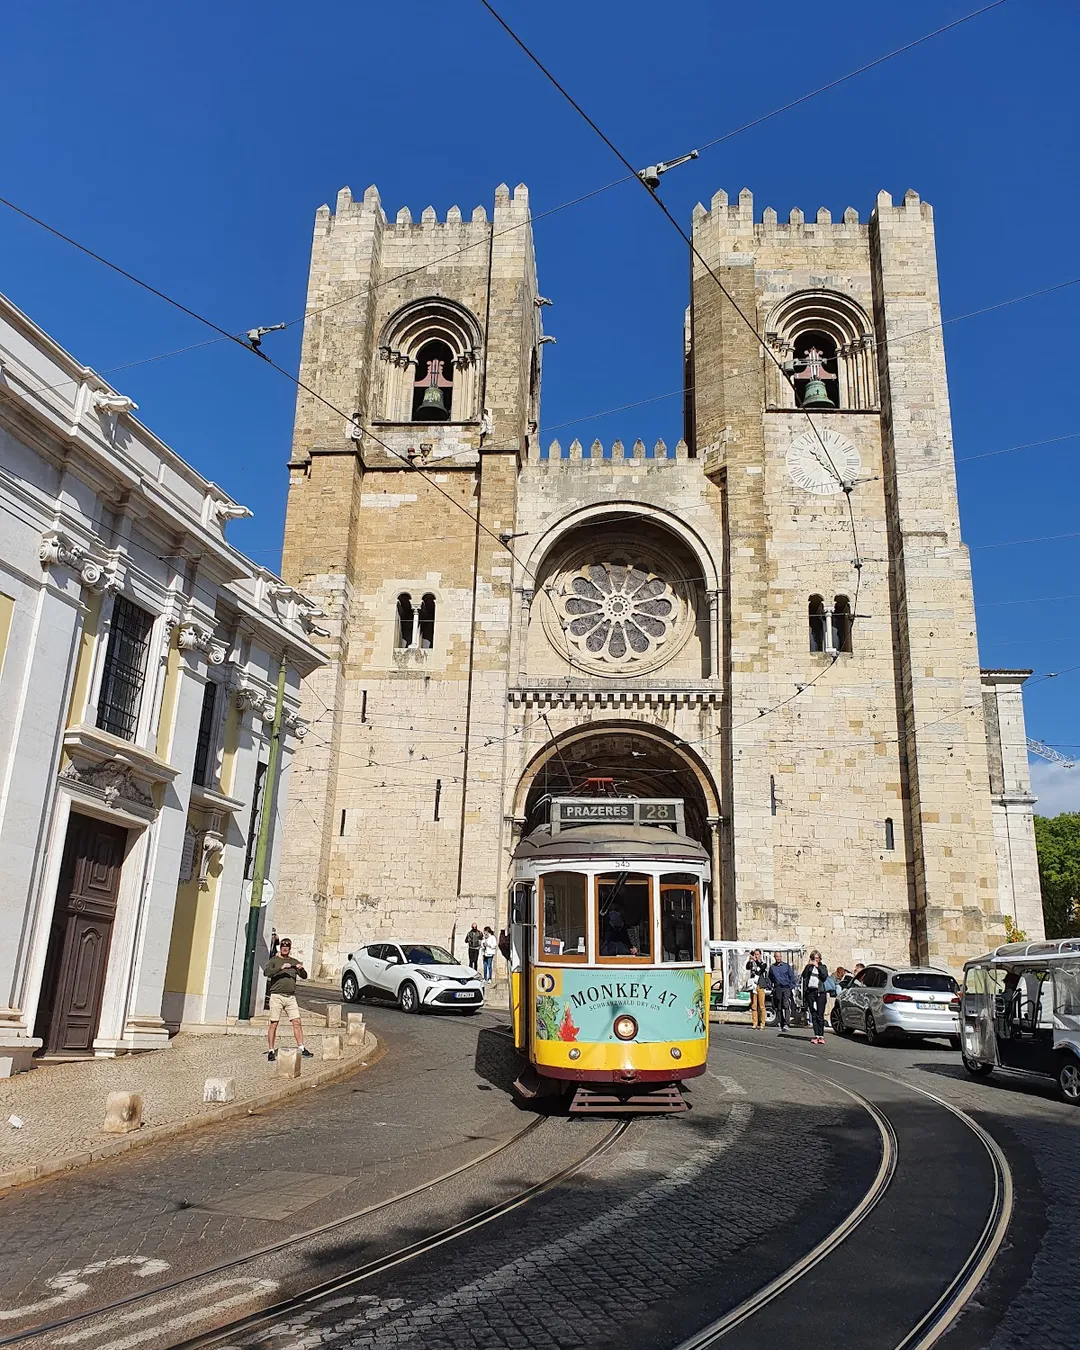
[819, 629]
[430, 354]
[840, 624]
[427, 623]
[821, 335]
[405, 621]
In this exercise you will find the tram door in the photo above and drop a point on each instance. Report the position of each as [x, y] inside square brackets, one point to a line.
[522, 927]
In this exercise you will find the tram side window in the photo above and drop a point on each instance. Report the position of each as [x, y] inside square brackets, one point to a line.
[679, 910]
[563, 933]
[1067, 991]
[624, 916]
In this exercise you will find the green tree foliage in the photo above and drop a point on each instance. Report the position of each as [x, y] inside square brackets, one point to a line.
[1058, 841]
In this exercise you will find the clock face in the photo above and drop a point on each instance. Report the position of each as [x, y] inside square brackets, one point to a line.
[809, 467]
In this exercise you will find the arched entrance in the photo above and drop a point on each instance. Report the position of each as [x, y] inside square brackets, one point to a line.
[639, 761]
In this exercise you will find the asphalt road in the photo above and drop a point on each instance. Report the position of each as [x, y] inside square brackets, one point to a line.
[673, 1225]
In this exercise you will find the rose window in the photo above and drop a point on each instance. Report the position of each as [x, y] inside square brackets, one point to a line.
[617, 611]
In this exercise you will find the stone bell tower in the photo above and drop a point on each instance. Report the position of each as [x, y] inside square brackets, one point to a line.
[426, 333]
[856, 776]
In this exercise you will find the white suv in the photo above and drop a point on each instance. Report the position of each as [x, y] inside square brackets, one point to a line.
[417, 975]
[908, 1000]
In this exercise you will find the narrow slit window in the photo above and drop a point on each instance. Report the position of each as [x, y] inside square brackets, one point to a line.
[841, 624]
[818, 624]
[405, 620]
[341, 827]
[427, 623]
[890, 834]
[204, 742]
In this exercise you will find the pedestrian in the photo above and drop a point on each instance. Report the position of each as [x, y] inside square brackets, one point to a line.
[814, 975]
[781, 981]
[488, 949]
[474, 940]
[504, 944]
[282, 972]
[757, 970]
[856, 974]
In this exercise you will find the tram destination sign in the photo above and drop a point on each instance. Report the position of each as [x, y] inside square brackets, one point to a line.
[567, 812]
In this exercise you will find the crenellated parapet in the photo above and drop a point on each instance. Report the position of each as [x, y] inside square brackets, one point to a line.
[510, 208]
[617, 452]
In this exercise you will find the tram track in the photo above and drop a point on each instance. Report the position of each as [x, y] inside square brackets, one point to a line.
[117, 1308]
[128, 1321]
[944, 1311]
[267, 1317]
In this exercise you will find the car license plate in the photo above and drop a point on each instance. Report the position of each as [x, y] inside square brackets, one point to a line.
[464, 994]
[932, 1007]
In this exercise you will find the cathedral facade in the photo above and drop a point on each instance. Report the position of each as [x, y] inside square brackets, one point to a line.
[770, 617]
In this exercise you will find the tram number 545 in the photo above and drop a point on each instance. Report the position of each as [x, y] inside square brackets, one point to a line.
[621, 865]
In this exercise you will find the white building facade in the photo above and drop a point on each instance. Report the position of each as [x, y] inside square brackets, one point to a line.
[139, 658]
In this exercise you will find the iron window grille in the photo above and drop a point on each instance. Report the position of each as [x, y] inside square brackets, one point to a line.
[205, 739]
[125, 669]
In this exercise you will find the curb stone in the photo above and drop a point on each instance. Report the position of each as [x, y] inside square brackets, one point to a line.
[154, 1134]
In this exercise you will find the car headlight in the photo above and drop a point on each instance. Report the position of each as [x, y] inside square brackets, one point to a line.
[433, 975]
[625, 1027]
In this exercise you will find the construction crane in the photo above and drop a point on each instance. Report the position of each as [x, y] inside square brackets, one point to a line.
[1049, 753]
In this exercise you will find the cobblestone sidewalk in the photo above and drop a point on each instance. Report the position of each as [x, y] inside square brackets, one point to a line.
[62, 1106]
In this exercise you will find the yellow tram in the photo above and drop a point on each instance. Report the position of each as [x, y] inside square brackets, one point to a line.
[609, 982]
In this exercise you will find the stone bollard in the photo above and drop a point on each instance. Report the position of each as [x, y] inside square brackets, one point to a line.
[356, 1029]
[288, 1063]
[333, 1044]
[219, 1090]
[123, 1112]
[333, 1015]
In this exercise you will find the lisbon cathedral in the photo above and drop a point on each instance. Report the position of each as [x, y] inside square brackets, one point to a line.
[769, 617]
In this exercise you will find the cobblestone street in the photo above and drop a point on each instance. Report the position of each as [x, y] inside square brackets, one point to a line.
[674, 1222]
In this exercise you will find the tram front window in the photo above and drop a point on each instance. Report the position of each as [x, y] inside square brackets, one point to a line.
[679, 910]
[624, 916]
[562, 936]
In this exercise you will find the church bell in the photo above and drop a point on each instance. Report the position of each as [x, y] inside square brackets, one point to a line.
[816, 396]
[432, 405]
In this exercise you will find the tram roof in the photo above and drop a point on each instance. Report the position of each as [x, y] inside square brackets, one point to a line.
[624, 841]
[1012, 953]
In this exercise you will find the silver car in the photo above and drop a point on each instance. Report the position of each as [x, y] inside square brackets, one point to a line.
[899, 1000]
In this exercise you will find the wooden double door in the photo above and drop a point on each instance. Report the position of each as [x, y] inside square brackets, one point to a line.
[78, 955]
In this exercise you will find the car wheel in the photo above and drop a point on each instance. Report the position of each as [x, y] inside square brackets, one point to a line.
[976, 1067]
[954, 1042]
[873, 1036]
[836, 1021]
[1069, 1080]
[350, 988]
[408, 999]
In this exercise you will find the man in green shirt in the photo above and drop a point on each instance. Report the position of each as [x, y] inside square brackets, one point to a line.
[281, 973]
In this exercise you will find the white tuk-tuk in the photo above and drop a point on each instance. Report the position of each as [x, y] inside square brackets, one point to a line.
[732, 990]
[1021, 1010]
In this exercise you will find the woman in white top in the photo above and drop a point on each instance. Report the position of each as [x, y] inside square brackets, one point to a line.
[814, 975]
[488, 948]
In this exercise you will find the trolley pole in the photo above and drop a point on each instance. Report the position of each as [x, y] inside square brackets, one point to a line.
[258, 876]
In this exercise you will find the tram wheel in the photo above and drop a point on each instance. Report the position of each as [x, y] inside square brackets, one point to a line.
[976, 1067]
[1069, 1080]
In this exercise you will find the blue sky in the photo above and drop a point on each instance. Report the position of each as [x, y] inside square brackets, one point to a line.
[192, 144]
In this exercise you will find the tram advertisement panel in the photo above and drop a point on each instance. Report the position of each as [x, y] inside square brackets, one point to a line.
[582, 1004]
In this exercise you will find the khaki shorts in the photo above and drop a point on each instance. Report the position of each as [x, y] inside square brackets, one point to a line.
[284, 1003]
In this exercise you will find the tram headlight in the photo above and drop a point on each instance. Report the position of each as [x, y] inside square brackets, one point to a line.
[625, 1027]
[575, 1053]
[676, 1053]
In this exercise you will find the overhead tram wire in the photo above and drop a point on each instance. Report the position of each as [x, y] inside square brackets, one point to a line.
[574, 201]
[350, 420]
[688, 240]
